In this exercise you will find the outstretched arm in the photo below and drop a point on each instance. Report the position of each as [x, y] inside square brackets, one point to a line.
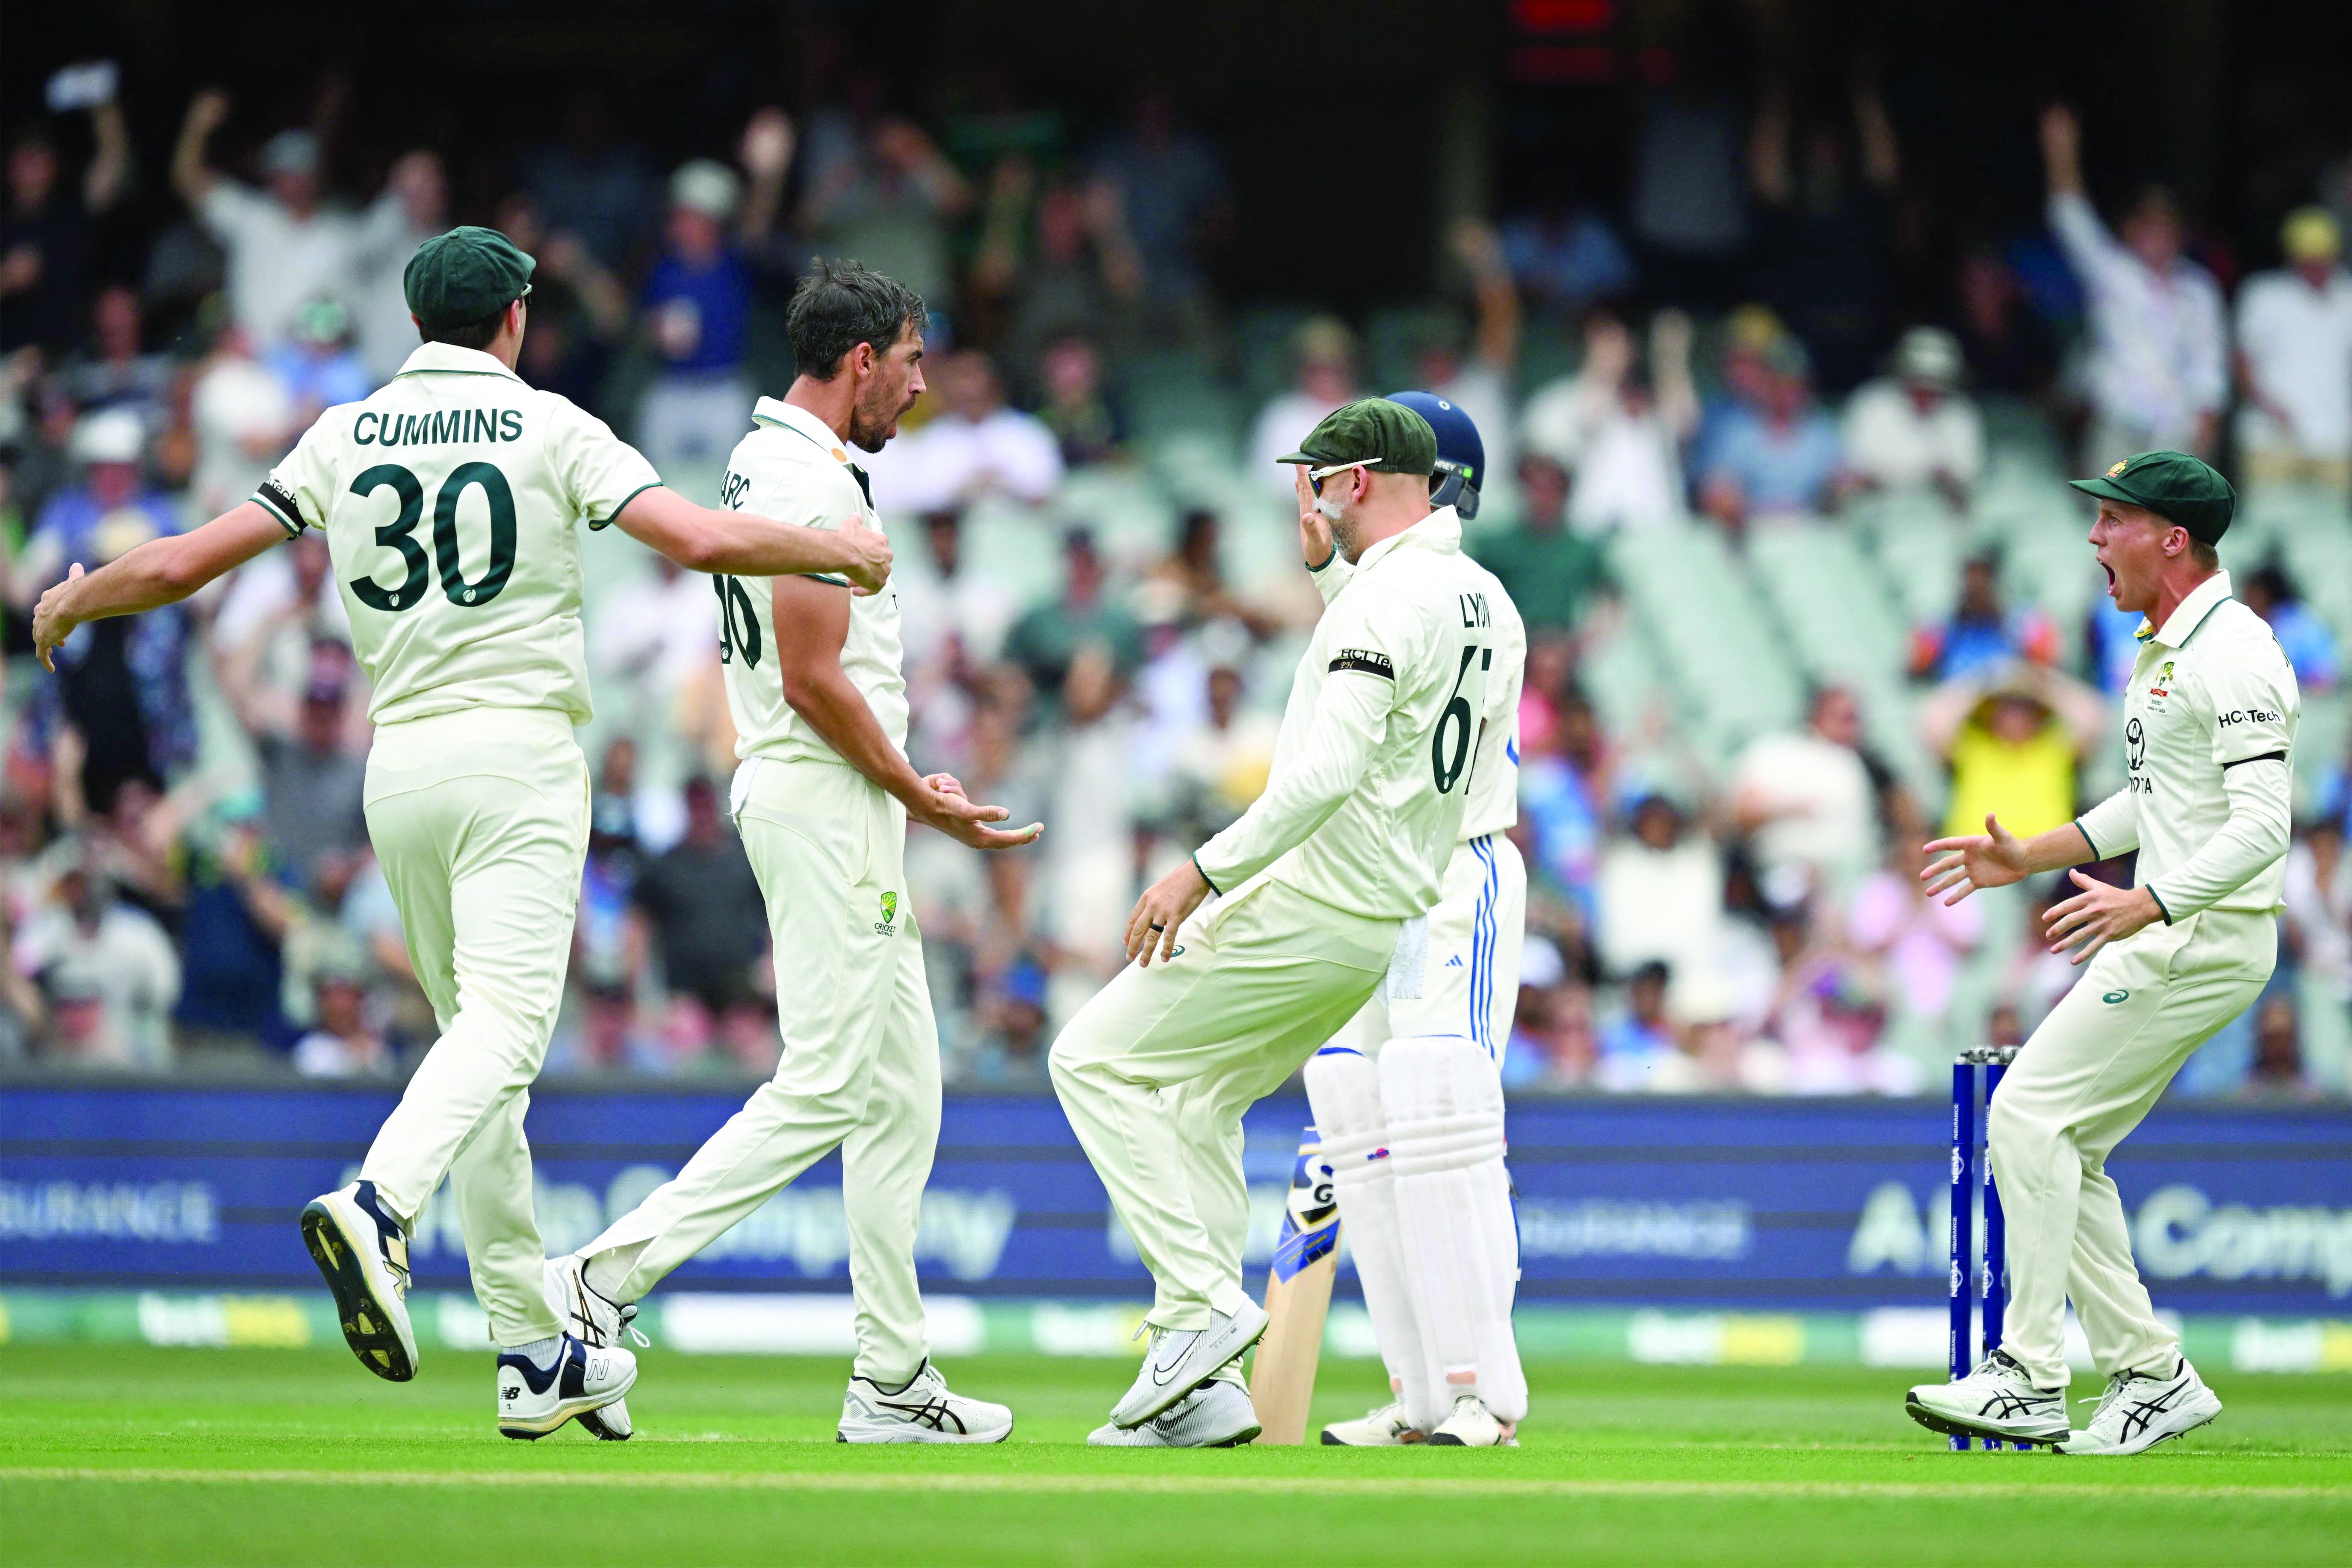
[160, 571]
[812, 622]
[704, 539]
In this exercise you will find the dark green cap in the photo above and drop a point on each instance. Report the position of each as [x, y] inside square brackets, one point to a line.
[1387, 437]
[465, 275]
[2175, 485]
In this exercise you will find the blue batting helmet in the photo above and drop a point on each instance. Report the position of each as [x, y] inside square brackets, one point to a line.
[1461, 455]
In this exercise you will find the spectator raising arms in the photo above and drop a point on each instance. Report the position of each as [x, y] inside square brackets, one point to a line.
[285, 248]
[2156, 371]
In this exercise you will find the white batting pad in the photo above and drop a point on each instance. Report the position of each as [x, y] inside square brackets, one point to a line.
[1344, 1088]
[1442, 1101]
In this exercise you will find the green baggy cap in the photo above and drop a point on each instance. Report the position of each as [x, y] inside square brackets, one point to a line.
[2175, 485]
[464, 275]
[1387, 437]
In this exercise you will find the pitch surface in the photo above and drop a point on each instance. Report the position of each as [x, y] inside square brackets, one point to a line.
[286, 1457]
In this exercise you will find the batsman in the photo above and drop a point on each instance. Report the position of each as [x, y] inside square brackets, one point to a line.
[2209, 737]
[1324, 884]
[1408, 1095]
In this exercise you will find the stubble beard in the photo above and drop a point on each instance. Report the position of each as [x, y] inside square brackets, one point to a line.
[871, 429]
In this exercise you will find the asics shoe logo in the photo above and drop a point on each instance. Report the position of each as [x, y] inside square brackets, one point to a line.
[934, 1414]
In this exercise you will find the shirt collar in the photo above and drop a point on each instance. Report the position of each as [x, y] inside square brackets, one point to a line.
[2190, 613]
[1441, 531]
[799, 420]
[449, 357]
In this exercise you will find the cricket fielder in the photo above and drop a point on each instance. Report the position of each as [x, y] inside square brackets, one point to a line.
[448, 499]
[1317, 881]
[821, 797]
[2209, 732]
[1409, 1096]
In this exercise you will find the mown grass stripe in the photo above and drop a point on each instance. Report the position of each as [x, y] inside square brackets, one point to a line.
[1102, 1481]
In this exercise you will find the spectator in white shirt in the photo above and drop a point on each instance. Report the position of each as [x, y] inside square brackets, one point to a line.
[1618, 429]
[243, 412]
[974, 447]
[109, 973]
[2295, 362]
[284, 249]
[1325, 352]
[2157, 371]
[413, 208]
[1806, 800]
[1915, 430]
[1660, 899]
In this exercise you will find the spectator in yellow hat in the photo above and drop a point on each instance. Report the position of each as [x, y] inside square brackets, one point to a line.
[2295, 362]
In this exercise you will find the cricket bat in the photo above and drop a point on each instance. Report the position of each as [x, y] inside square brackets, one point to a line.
[1297, 1298]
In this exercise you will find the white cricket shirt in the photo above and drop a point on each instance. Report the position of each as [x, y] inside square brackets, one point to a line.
[1372, 769]
[2209, 738]
[793, 467]
[448, 499]
[1495, 765]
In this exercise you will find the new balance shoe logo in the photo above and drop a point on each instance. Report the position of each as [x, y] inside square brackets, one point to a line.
[511, 1392]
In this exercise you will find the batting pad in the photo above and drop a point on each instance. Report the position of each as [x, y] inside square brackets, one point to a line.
[1344, 1088]
[1443, 1100]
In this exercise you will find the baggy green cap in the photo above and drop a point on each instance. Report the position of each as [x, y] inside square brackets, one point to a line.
[1387, 437]
[2175, 485]
[464, 275]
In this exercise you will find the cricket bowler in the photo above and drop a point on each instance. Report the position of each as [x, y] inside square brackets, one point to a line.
[2209, 734]
[448, 499]
[1340, 858]
[1409, 1096]
[821, 796]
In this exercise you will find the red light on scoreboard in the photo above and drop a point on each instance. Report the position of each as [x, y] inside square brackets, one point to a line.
[1562, 15]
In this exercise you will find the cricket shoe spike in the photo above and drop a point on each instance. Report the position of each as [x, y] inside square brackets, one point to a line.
[1217, 1415]
[534, 1401]
[922, 1411]
[1387, 1427]
[1997, 1400]
[362, 1252]
[1180, 1360]
[1470, 1425]
[597, 1322]
[2140, 1410]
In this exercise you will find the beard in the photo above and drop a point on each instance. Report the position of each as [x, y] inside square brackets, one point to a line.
[870, 428]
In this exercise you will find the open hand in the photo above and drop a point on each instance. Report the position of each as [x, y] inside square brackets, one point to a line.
[2099, 914]
[1161, 910]
[966, 821]
[1993, 859]
[1315, 545]
[51, 624]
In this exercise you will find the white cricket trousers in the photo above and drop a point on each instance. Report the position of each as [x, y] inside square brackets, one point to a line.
[479, 819]
[2085, 1080]
[861, 1062]
[1156, 1070]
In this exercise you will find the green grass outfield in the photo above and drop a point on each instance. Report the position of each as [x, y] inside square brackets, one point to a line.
[132, 1455]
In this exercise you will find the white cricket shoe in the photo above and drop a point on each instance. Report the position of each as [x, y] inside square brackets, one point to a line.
[1997, 1400]
[1180, 1360]
[533, 1402]
[363, 1253]
[1387, 1427]
[597, 1322]
[2140, 1410]
[1470, 1425]
[1217, 1415]
[924, 1411]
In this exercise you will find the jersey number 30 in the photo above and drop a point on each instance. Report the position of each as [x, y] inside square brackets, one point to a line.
[400, 533]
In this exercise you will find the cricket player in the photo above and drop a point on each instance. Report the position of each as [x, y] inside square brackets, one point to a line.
[821, 797]
[1409, 1096]
[1317, 882]
[448, 501]
[2209, 737]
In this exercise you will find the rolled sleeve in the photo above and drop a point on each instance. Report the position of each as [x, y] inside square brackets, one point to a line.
[2111, 827]
[300, 490]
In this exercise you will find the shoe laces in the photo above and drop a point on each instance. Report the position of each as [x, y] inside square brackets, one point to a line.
[2113, 1392]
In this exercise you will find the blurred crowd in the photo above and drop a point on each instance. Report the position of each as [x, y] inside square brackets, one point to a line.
[1100, 600]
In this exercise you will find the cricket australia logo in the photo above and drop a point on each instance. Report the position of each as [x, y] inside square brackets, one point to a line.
[889, 924]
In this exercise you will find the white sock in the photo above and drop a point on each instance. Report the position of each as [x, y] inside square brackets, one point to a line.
[542, 1352]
